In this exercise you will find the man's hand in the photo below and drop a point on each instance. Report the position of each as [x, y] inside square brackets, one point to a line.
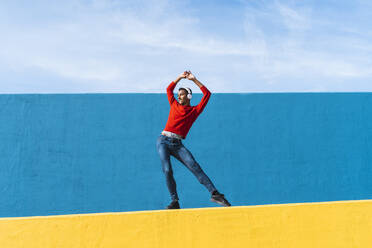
[181, 76]
[190, 76]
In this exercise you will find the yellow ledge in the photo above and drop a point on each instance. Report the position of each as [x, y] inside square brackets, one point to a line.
[330, 224]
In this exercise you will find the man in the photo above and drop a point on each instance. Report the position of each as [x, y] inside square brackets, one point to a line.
[181, 117]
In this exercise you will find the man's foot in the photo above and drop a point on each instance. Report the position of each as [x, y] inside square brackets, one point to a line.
[220, 199]
[174, 205]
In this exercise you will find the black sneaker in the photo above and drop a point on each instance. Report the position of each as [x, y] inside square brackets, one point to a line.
[174, 205]
[220, 199]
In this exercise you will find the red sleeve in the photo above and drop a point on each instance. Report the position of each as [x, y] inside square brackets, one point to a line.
[204, 100]
[170, 94]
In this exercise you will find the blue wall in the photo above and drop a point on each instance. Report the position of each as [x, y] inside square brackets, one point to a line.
[82, 153]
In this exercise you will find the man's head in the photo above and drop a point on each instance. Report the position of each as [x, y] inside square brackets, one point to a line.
[184, 96]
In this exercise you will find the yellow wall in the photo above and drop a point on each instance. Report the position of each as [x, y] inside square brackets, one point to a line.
[329, 225]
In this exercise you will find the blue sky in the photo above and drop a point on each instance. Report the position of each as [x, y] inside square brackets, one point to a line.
[89, 46]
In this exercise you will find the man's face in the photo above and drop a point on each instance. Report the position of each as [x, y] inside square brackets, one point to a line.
[182, 98]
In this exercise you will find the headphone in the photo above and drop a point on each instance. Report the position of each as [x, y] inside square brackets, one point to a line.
[189, 92]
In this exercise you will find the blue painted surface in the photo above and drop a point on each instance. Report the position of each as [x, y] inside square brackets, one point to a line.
[83, 153]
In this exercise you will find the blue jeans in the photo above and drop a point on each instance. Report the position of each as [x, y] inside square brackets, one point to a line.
[169, 146]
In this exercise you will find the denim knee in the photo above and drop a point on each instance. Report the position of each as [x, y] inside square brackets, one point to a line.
[167, 170]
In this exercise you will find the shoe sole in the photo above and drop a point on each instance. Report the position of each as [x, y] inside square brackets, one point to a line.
[221, 203]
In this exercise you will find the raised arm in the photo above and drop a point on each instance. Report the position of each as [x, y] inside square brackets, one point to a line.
[172, 85]
[206, 92]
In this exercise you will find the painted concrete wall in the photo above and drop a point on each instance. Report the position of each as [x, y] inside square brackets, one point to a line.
[309, 225]
[89, 153]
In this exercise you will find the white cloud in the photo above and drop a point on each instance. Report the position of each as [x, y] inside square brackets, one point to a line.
[304, 50]
[141, 45]
[293, 19]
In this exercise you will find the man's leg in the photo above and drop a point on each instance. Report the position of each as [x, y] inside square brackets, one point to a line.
[167, 168]
[186, 158]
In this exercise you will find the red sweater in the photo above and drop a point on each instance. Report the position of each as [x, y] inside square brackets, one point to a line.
[182, 117]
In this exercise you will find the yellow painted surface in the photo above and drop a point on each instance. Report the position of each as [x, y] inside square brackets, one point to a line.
[330, 225]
